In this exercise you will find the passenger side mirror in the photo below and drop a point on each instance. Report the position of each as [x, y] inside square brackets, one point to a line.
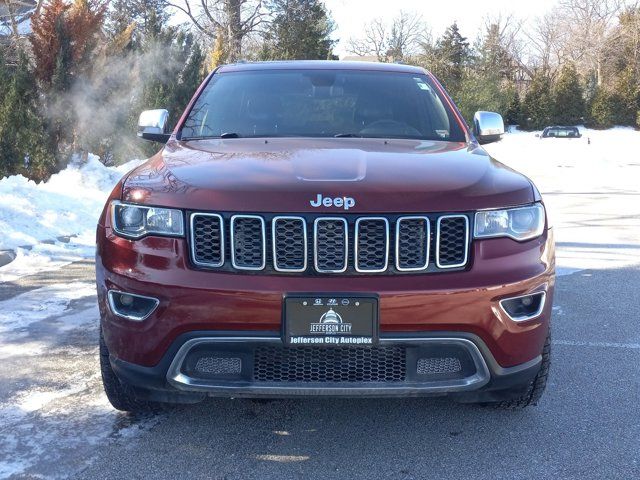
[487, 126]
[152, 125]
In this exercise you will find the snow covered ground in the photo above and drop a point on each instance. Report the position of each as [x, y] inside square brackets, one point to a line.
[53, 414]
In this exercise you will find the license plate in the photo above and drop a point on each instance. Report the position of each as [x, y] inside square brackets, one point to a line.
[330, 320]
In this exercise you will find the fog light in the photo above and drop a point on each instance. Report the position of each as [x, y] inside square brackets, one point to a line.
[126, 300]
[525, 307]
[131, 306]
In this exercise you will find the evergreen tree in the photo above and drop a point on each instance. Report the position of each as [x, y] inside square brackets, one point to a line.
[482, 92]
[537, 107]
[24, 145]
[513, 115]
[300, 30]
[148, 16]
[493, 58]
[64, 44]
[65, 36]
[568, 97]
[189, 73]
[451, 56]
[602, 109]
[627, 92]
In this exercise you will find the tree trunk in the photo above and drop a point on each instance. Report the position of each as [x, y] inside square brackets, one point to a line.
[234, 28]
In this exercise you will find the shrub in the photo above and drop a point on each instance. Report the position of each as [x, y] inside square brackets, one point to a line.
[480, 92]
[537, 107]
[513, 115]
[602, 109]
[627, 92]
[24, 145]
[568, 97]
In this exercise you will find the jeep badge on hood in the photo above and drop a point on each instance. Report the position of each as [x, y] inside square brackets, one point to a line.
[340, 202]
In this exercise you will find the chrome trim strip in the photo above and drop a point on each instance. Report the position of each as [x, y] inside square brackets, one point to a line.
[192, 239]
[315, 244]
[426, 265]
[466, 242]
[135, 318]
[273, 243]
[526, 318]
[386, 246]
[264, 244]
[181, 381]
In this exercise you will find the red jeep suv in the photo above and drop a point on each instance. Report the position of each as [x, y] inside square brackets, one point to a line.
[323, 228]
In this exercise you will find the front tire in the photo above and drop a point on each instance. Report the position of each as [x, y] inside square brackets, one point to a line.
[535, 389]
[120, 395]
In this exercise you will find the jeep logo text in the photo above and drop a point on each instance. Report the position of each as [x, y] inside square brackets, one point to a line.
[340, 202]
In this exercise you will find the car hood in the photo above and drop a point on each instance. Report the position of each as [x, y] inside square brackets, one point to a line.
[287, 174]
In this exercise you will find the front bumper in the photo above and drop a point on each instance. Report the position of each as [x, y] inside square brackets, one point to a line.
[478, 377]
[199, 300]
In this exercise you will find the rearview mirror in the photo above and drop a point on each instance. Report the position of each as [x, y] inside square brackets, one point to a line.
[487, 126]
[152, 125]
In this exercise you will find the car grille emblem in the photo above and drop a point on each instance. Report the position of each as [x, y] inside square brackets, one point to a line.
[339, 202]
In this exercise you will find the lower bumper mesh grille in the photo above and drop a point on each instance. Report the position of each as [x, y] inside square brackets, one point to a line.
[318, 364]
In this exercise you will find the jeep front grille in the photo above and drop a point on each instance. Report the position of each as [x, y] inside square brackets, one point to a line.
[289, 243]
[207, 239]
[314, 244]
[248, 242]
[371, 244]
[331, 245]
[413, 235]
[453, 241]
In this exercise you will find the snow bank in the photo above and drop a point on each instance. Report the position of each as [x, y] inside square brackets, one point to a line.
[62, 212]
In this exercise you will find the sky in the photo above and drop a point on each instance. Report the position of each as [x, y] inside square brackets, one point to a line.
[350, 16]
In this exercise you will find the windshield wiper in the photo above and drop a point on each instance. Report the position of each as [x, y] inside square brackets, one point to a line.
[229, 135]
[347, 135]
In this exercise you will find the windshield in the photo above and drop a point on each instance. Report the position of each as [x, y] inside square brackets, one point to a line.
[320, 103]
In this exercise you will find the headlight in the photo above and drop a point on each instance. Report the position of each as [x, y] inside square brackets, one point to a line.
[522, 223]
[135, 221]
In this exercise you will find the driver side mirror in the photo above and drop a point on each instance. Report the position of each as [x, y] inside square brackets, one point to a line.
[488, 127]
[152, 125]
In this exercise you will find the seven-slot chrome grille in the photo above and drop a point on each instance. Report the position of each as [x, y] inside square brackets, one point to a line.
[315, 244]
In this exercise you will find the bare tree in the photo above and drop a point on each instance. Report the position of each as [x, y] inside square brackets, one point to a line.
[398, 40]
[589, 25]
[509, 31]
[374, 41]
[628, 34]
[407, 33]
[234, 19]
[547, 43]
